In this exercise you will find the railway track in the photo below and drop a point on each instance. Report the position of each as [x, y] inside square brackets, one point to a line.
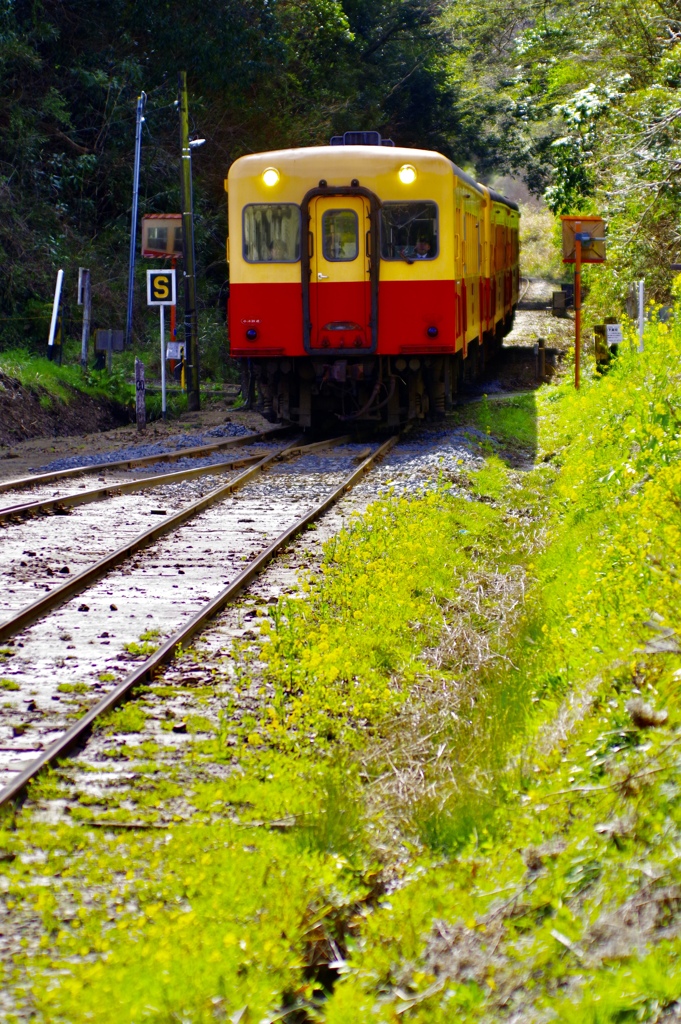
[118, 614]
[36, 480]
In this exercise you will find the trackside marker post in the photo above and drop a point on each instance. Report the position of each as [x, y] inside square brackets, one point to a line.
[161, 293]
[140, 404]
[85, 300]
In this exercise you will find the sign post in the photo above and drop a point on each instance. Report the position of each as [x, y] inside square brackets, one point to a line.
[161, 292]
[578, 299]
[162, 238]
[583, 242]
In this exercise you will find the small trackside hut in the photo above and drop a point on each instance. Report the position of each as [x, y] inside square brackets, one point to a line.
[365, 279]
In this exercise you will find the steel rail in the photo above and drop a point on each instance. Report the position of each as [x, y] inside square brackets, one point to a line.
[80, 729]
[124, 487]
[145, 483]
[59, 595]
[144, 460]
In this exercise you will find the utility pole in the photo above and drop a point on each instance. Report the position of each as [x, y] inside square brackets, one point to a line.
[141, 104]
[191, 333]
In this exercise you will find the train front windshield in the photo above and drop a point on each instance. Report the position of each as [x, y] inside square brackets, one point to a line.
[271, 233]
[409, 231]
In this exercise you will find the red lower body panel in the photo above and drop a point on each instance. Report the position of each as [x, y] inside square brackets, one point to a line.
[274, 312]
[407, 309]
[406, 312]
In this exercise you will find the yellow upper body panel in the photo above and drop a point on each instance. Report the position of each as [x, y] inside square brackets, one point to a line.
[373, 167]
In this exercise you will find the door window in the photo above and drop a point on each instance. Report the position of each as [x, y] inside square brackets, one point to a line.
[409, 231]
[340, 236]
[272, 233]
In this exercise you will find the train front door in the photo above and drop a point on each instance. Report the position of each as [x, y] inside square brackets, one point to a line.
[340, 283]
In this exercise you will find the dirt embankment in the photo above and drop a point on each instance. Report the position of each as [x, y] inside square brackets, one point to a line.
[33, 412]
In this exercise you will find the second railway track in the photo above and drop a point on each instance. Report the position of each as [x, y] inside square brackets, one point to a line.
[79, 659]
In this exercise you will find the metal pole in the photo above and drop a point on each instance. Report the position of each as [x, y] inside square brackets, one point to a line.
[163, 363]
[578, 302]
[87, 300]
[55, 313]
[641, 312]
[173, 309]
[191, 338]
[141, 104]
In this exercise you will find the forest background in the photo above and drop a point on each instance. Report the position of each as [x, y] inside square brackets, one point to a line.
[579, 99]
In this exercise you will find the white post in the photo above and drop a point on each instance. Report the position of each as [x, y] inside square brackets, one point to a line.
[163, 363]
[55, 309]
[641, 312]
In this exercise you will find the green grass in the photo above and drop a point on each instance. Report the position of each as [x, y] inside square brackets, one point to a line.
[57, 385]
[62, 384]
[585, 804]
[513, 419]
[443, 772]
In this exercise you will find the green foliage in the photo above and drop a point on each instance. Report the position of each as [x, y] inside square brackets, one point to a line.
[539, 910]
[69, 87]
[582, 101]
[539, 253]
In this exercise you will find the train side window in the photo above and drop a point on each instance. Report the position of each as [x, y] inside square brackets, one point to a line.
[271, 233]
[409, 231]
[340, 230]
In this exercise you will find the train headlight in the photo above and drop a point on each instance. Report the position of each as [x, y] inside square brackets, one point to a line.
[270, 176]
[407, 174]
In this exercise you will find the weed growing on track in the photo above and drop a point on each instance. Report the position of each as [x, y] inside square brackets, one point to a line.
[473, 707]
[345, 660]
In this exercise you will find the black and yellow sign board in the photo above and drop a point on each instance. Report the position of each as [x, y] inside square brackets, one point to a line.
[161, 288]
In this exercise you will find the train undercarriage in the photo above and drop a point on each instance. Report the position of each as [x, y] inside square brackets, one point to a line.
[387, 390]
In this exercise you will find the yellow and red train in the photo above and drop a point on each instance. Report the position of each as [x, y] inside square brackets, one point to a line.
[365, 279]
